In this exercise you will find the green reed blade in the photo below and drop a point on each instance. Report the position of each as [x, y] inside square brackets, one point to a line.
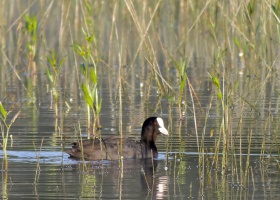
[3, 111]
[50, 76]
[93, 75]
[87, 95]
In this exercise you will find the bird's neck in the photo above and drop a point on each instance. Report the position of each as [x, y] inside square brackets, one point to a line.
[150, 147]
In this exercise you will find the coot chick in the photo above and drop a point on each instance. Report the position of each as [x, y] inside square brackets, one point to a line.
[111, 149]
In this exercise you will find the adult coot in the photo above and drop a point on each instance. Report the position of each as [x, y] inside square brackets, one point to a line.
[113, 147]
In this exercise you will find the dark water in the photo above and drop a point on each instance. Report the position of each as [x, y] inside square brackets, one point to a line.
[37, 168]
[55, 176]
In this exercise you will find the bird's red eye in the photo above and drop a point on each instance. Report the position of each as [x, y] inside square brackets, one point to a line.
[155, 123]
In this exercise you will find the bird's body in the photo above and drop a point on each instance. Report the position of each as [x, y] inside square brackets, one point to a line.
[114, 148]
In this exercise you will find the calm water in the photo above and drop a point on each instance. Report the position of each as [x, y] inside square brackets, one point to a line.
[38, 168]
[218, 150]
[55, 176]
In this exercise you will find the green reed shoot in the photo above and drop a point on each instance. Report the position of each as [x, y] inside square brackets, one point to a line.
[5, 126]
[52, 74]
[90, 84]
[182, 71]
[216, 82]
[31, 28]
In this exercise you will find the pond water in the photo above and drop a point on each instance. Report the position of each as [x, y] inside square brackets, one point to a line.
[38, 168]
[223, 119]
[54, 176]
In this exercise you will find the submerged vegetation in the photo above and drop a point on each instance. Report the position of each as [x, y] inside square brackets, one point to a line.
[211, 65]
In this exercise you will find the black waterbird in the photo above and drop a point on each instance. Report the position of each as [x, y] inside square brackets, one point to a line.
[111, 149]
